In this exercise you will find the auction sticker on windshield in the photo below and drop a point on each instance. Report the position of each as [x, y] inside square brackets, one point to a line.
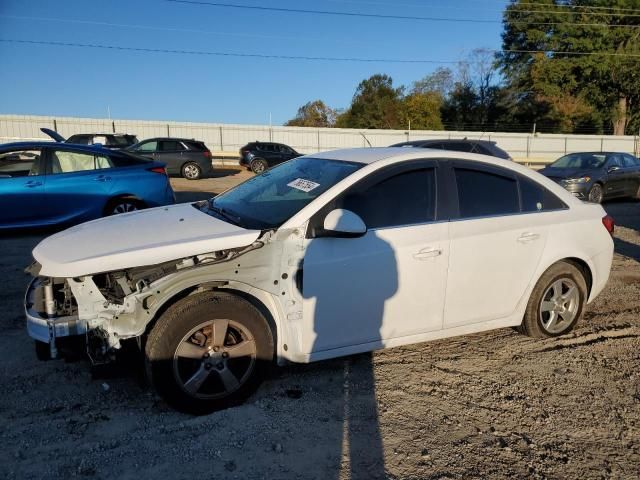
[302, 184]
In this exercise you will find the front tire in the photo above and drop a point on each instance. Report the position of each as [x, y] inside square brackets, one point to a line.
[556, 302]
[258, 166]
[596, 193]
[208, 352]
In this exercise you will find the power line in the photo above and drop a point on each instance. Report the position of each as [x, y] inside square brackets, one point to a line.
[302, 57]
[383, 16]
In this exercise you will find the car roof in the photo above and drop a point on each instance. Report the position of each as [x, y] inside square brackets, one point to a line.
[372, 155]
[66, 146]
[105, 134]
[172, 138]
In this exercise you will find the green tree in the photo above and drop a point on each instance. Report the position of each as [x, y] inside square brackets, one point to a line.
[313, 114]
[573, 91]
[375, 104]
[421, 111]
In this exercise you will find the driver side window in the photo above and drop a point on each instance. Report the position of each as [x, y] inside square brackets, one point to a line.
[407, 198]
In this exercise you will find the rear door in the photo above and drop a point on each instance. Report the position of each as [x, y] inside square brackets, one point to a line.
[171, 152]
[494, 246]
[631, 168]
[77, 184]
[147, 149]
[615, 185]
[22, 199]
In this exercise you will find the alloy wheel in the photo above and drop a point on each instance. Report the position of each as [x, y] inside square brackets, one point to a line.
[595, 194]
[191, 172]
[559, 306]
[124, 207]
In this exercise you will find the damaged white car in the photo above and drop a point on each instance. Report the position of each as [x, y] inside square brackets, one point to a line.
[323, 256]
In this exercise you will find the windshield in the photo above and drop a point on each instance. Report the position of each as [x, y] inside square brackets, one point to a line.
[268, 200]
[580, 160]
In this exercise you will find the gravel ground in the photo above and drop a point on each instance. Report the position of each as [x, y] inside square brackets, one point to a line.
[490, 405]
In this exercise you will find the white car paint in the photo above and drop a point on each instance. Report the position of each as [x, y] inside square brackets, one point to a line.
[144, 237]
[393, 286]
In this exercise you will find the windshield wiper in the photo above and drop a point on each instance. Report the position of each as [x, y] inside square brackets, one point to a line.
[224, 213]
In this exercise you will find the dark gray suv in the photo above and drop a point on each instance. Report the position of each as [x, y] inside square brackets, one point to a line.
[186, 157]
[482, 147]
[258, 156]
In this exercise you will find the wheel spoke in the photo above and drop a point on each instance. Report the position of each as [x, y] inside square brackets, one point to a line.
[552, 321]
[547, 306]
[229, 380]
[219, 332]
[557, 290]
[195, 382]
[571, 292]
[243, 349]
[190, 350]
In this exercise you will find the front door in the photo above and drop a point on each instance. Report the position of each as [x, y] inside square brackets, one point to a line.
[21, 188]
[388, 284]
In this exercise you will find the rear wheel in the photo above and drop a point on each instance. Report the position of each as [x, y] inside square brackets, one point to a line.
[208, 351]
[556, 302]
[258, 165]
[122, 205]
[191, 171]
[596, 193]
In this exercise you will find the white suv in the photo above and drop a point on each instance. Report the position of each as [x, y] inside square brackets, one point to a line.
[323, 256]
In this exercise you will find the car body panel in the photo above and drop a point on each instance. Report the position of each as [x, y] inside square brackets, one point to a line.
[153, 236]
[174, 158]
[273, 153]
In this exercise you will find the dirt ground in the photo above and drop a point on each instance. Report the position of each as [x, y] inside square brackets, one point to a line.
[491, 405]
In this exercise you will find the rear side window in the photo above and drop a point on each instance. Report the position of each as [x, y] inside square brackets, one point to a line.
[482, 193]
[20, 163]
[197, 146]
[404, 199]
[148, 146]
[80, 139]
[63, 161]
[170, 146]
[536, 198]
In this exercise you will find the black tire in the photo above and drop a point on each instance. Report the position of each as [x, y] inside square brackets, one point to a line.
[43, 351]
[537, 319]
[120, 205]
[189, 327]
[596, 193]
[191, 171]
[258, 165]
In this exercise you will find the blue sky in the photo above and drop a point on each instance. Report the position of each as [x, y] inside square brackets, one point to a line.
[83, 82]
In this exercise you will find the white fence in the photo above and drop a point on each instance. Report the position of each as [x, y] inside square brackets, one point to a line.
[226, 139]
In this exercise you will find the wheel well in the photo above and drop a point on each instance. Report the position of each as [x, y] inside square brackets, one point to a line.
[584, 269]
[122, 196]
[261, 307]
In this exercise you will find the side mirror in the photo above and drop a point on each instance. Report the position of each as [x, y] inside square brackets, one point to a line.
[343, 224]
[612, 168]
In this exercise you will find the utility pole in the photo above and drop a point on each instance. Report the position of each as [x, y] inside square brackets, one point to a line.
[534, 128]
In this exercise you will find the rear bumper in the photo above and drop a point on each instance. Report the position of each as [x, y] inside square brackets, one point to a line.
[43, 327]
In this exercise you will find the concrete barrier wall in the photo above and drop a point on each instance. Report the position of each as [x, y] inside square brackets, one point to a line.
[226, 139]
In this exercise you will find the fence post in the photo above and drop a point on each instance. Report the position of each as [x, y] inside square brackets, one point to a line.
[602, 144]
[168, 131]
[55, 125]
[221, 144]
[113, 126]
[565, 144]
[318, 140]
[528, 145]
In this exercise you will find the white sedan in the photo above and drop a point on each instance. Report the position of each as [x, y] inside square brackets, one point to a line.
[323, 256]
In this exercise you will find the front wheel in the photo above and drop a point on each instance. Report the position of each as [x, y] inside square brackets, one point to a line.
[556, 302]
[596, 193]
[258, 165]
[208, 351]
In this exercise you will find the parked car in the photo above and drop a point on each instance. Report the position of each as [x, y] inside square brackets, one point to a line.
[45, 183]
[258, 156]
[326, 255]
[483, 147]
[107, 140]
[186, 157]
[597, 176]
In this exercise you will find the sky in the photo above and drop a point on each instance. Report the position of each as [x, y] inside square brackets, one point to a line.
[94, 82]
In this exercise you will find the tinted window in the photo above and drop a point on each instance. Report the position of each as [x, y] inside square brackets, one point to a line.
[628, 161]
[580, 160]
[67, 162]
[171, 146]
[148, 147]
[19, 163]
[80, 139]
[404, 199]
[481, 193]
[459, 146]
[198, 146]
[536, 198]
[121, 140]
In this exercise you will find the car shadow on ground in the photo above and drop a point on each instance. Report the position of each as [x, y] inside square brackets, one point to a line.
[193, 196]
[217, 172]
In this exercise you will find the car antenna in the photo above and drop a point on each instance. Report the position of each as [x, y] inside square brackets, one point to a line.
[366, 139]
[475, 145]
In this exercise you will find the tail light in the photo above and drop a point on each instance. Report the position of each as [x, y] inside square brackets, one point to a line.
[609, 224]
[207, 154]
[161, 170]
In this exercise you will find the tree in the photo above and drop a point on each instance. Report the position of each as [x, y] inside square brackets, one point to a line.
[440, 81]
[421, 111]
[313, 114]
[572, 89]
[375, 104]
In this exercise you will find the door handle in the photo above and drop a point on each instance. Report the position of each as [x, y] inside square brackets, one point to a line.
[528, 237]
[32, 184]
[427, 253]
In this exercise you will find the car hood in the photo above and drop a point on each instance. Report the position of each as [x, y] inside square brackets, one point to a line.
[135, 239]
[562, 173]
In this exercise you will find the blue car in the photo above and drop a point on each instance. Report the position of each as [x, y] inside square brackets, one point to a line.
[45, 183]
